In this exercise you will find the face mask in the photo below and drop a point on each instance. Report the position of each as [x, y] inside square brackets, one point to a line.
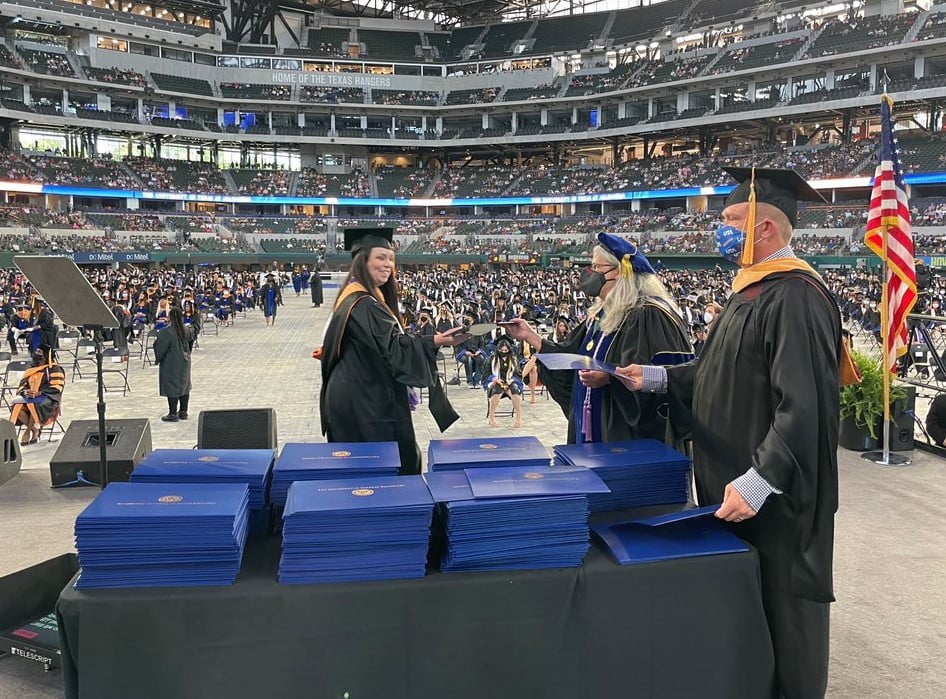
[708, 317]
[729, 241]
[592, 282]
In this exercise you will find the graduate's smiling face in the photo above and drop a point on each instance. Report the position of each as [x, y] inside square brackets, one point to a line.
[380, 265]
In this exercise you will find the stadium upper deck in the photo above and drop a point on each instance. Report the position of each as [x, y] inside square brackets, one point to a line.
[673, 69]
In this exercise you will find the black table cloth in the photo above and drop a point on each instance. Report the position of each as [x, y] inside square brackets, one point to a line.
[684, 628]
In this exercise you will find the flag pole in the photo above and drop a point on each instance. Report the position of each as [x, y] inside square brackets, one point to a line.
[885, 341]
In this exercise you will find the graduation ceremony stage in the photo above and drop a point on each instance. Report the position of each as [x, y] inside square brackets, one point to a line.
[649, 631]
[890, 528]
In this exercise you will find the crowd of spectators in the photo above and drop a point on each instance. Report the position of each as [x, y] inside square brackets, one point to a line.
[417, 98]
[14, 167]
[254, 91]
[121, 76]
[331, 95]
[262, 182]
[48, 63]
[475, 181]
[178, 175]
[101, 172]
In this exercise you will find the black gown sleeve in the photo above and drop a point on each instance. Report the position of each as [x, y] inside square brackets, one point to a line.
[646, 331]
[559, 383]
[409, 359]
[800, 344]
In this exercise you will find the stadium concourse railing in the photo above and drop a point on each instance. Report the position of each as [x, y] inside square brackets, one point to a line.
[340, 261]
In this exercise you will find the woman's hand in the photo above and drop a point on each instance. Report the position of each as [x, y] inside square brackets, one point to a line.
[451, 338]
[594, 379]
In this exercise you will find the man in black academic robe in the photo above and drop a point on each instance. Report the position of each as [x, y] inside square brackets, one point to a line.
[765, 413]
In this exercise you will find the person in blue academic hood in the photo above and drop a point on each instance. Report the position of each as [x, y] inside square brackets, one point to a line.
[633, 315]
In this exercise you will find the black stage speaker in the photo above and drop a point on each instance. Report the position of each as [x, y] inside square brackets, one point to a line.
[901, 421]
[127, 442]
[249, 428]
[10, 456]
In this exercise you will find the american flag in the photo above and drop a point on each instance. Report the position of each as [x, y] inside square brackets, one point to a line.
[890, 210]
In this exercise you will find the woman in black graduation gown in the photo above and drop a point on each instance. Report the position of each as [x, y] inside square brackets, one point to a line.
[372, 371]
[315, 286]
[633, 316]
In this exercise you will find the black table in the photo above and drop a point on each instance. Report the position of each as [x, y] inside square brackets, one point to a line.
[686, 628]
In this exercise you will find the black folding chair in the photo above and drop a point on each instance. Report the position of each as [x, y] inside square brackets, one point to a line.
[115, 360]
[84, 358]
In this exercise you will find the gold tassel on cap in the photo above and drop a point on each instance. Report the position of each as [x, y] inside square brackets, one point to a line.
[627, 270]
[748, 246]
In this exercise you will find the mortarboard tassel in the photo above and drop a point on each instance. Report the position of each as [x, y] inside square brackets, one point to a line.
[627, 269]
[748, 247]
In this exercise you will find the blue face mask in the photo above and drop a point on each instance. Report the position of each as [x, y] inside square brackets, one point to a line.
[730, 241]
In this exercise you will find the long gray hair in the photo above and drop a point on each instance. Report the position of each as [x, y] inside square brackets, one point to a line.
[628, 293]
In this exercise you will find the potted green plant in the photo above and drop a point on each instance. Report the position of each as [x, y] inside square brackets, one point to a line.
[862, 405]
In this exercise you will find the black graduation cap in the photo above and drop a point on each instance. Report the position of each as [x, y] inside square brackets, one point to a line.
[781, 188]
[427, 309]
[564, 319]
[366, 238]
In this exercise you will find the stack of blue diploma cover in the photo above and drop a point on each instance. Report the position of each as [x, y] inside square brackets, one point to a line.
[639, 472]
[351, 530]
[686, 534]
[162, 535]
[332, 461]
[500, 452]
[250, 466]
[511, 519]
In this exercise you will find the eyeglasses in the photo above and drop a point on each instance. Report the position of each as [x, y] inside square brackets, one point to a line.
[602, 268]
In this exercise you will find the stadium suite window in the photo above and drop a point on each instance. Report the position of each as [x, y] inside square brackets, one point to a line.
[205, 59]
[228, 62]
[287, 64]
[177, 55]
[110, 44]
[145, 49]
[254, 62]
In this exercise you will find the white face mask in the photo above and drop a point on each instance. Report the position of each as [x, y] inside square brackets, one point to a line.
[708, 317]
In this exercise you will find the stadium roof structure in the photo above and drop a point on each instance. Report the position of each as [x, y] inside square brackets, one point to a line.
[454, 12]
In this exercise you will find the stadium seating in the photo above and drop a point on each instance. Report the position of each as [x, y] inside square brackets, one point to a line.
[933, 28]
[126, 17]
[117, 75]
[8, 59]
[312, 183]
[275, 225]
[178, 175]
[500, 38]
[389, 44]
[316, 245]
[860, 34]
[402, 183]
[126, 221]
[571, 33]
[478, 96]
[47, 62]
[106, 115]
[14, 167]
[177, 83]
[262, 182]
[736, 107]
[922, 152]
[103, 174]
[327, 41]
[255, 92]
[840, 93]
[756, 56]
[331, 95]
[540, 92]
[417, 98]
[593, 83]
[549, 181]
[475, 181]
[460, 39]
[717, 12]
[638, 23]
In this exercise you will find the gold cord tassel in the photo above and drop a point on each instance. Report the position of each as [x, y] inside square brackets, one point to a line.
[748, 246]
